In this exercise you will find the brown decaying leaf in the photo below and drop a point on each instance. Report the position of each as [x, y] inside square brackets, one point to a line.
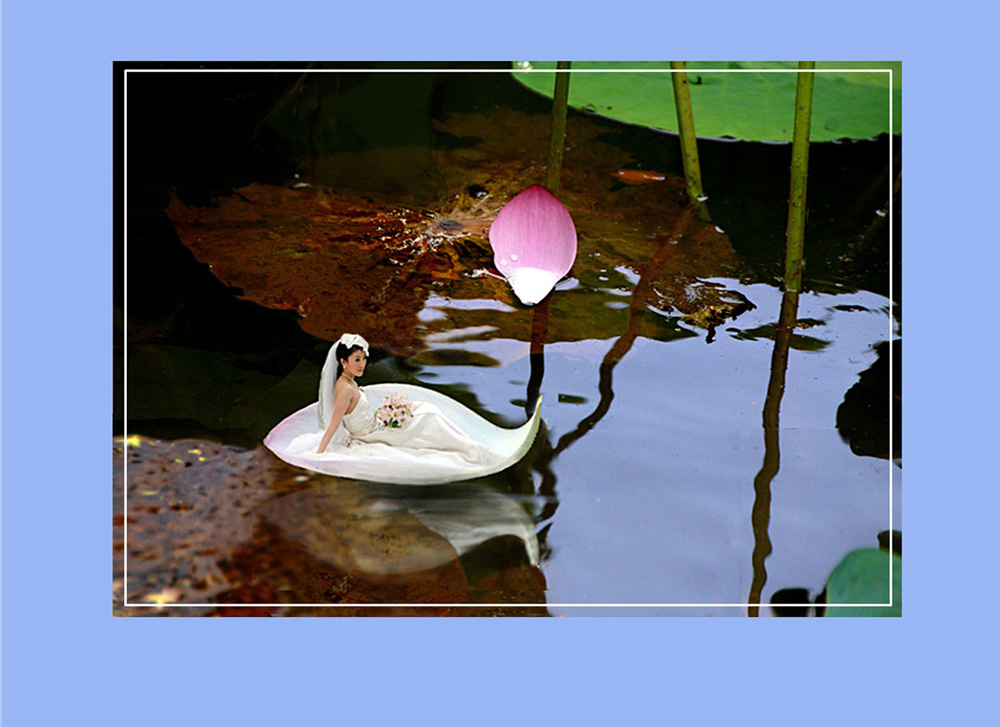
[350, 263]
[218, 525]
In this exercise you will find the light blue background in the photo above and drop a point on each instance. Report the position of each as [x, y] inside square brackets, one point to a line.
[67, 661]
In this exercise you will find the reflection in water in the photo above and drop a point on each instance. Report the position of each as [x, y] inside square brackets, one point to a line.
[643, 292]
[761, 513]
[468, 517]
[867, 420]
[536, 356]
[638, 302]
[543, 462]
[371, 542]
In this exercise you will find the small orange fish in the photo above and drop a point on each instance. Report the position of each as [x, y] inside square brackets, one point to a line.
[638, 176]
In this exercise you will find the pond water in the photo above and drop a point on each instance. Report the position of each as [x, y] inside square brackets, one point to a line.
[660, 483]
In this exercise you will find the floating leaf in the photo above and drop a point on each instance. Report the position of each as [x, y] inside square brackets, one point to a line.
[862, 577]
[340, 261]
[174, 552]
[731, 101]
[864, 417]
[345, 262]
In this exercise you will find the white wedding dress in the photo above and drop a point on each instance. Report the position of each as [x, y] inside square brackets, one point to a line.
[444, 441]
[428, 435]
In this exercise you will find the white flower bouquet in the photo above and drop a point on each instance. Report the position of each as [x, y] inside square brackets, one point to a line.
[395, 412]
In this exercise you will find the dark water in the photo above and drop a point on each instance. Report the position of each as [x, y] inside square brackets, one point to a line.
[652, 482]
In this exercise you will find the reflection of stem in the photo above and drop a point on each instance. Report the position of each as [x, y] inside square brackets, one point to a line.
[876, 224]
[539, 327]
[543, 463]
[624, 343]
[560, 97]
[607, 393]
[761, 514]
[616, 353]
[800, 172]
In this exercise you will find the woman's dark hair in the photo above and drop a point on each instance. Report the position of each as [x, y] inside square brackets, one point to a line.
[343, 353]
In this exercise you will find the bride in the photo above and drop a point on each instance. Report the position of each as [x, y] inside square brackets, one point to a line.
[423, 425]
[415, 436]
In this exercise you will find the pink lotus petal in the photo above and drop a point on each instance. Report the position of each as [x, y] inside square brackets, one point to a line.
[534, 243]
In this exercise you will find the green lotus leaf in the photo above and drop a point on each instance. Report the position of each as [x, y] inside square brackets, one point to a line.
[752, 101]
[863, 577]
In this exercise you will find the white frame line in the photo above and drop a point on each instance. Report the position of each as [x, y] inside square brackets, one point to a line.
[125, 602]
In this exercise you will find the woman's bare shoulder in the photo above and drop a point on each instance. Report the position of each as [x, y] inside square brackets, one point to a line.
[344, 388]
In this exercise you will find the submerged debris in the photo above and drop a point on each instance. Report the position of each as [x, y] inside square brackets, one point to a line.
[218, 530]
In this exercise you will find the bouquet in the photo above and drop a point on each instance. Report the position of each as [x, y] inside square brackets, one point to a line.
[396, 412]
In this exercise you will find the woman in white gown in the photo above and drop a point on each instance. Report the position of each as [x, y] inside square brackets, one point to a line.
[426, 431]
[417, 435]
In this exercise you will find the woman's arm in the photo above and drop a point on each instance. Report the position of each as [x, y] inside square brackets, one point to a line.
[342, 398]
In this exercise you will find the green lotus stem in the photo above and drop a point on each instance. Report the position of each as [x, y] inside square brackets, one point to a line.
[795, 232]
[560, 98]
[689, 142]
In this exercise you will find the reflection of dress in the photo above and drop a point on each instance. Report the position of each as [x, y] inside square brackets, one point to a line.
[428, 434]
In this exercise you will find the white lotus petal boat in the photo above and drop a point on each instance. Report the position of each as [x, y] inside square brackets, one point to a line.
[378, 462]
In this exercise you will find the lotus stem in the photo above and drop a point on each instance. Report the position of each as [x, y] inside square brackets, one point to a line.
[560, 98]
[800, 172]
[689, 141]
